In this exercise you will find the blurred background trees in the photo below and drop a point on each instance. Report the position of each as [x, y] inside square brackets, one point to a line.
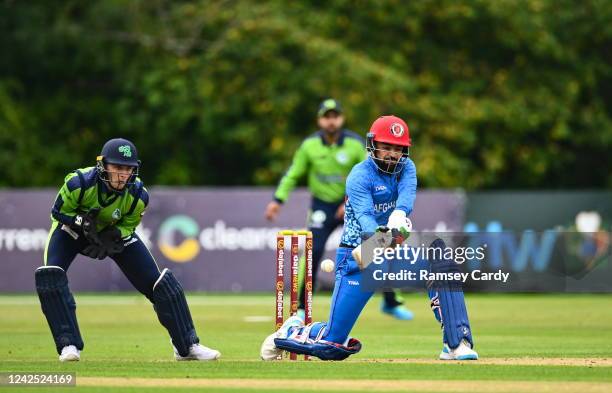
[499, 94]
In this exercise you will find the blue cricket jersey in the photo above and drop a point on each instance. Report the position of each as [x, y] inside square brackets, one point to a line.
[372, 195]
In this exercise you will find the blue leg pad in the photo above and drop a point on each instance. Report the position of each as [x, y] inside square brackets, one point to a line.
[58, 305]
[448, 302]
[173, 312]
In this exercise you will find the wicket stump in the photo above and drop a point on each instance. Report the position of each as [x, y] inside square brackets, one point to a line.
[280, 277]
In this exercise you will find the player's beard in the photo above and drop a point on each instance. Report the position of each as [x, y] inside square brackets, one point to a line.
[390, 164]
[331, 131]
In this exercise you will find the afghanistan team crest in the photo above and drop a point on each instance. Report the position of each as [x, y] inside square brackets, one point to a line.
[397, 130]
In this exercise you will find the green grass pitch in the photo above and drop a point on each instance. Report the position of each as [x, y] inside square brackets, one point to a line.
[526, 342]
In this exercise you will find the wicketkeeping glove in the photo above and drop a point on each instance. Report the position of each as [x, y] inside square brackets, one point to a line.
[87, 223]
[95, 251]
[111, 240]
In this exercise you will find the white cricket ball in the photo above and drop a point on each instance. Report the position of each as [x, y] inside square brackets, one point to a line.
[328, 265]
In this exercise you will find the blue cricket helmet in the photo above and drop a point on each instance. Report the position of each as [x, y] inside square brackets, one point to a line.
[119, 151]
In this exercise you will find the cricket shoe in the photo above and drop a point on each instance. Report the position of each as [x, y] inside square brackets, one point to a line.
[198, 352]
[70, 353]
[463, 352]
[397, 312]
[268, 348]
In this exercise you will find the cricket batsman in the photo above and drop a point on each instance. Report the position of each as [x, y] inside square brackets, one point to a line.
[95, 214]
[326, 158]
[380, 196]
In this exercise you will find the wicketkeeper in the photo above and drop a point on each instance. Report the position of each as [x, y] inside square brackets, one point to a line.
[95, 214]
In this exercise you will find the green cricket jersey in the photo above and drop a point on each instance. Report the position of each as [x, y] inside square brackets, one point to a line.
[327, 166]
[82, 191]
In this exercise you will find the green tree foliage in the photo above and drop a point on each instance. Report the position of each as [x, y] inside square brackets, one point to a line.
[498, 94]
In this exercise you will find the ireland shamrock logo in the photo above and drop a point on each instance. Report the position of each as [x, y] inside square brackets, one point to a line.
[126, 150]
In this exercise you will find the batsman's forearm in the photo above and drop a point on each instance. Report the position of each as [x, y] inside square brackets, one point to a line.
[407, 188]
[367, 222]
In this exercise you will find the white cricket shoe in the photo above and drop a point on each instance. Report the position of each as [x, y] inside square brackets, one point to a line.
[463, 352]
[268, 348]
[198, 352]
[70, 353]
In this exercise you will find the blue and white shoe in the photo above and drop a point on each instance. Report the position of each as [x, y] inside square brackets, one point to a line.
[292, 322]
[398, 312]
[268, 349]
[463, 352]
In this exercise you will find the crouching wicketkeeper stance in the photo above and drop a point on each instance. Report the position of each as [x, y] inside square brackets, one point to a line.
[95, 214]
[380, 195]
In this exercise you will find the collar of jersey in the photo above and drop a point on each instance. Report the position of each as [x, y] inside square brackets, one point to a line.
[340, 138]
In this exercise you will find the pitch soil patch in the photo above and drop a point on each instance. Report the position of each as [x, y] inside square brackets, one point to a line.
[578, 362]
[335, 384]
